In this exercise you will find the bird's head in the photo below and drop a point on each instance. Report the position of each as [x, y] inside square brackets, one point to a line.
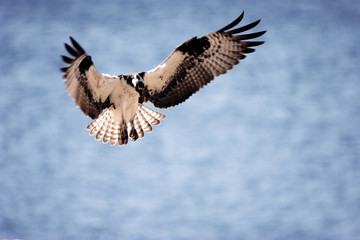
[138, 83]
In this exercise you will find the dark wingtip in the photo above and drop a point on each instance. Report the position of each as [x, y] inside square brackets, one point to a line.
[253, 43]
[76, 50]
[245, 28]
[250, 35]
[64, 69]
[67, 59]
[71, 50]
[248, 50]
[232, 24]
[77, 45]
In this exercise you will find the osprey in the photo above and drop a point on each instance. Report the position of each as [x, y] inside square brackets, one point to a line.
[115, 103]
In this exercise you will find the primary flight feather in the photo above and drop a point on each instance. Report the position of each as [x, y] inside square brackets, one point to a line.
[115, 103]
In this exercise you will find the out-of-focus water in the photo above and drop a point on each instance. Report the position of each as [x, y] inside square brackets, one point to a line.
[270, 150]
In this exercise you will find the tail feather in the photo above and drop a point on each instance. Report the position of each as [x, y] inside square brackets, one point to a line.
[109, 132]
[104, 126]
[150, 119]
[154, 114]
[145, 125]
[138, 127]
[106, 129]
[101, 132]
[97, 124]
[115, 136]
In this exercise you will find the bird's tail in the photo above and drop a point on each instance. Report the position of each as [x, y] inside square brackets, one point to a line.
[116, 132]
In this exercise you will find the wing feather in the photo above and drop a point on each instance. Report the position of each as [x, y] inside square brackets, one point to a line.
[197, 61]
[233, 24]
[89, 88]
[244, 28]
[77, 46]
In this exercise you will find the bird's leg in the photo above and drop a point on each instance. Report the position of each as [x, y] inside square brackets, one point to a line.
[123, 135]
[133, 133]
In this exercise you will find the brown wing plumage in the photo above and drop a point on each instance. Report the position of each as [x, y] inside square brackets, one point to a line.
[110, 100]
[81, 78]
[196, 62]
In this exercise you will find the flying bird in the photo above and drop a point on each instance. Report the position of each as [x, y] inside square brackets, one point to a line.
[116, 103]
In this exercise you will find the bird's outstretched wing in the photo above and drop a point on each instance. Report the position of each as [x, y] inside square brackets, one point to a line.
[89, 88]
[196, 62]
[110, 100]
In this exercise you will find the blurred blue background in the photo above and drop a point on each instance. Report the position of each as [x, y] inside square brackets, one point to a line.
[270, 150]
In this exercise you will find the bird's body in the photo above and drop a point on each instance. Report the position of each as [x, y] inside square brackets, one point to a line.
[116, 102]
